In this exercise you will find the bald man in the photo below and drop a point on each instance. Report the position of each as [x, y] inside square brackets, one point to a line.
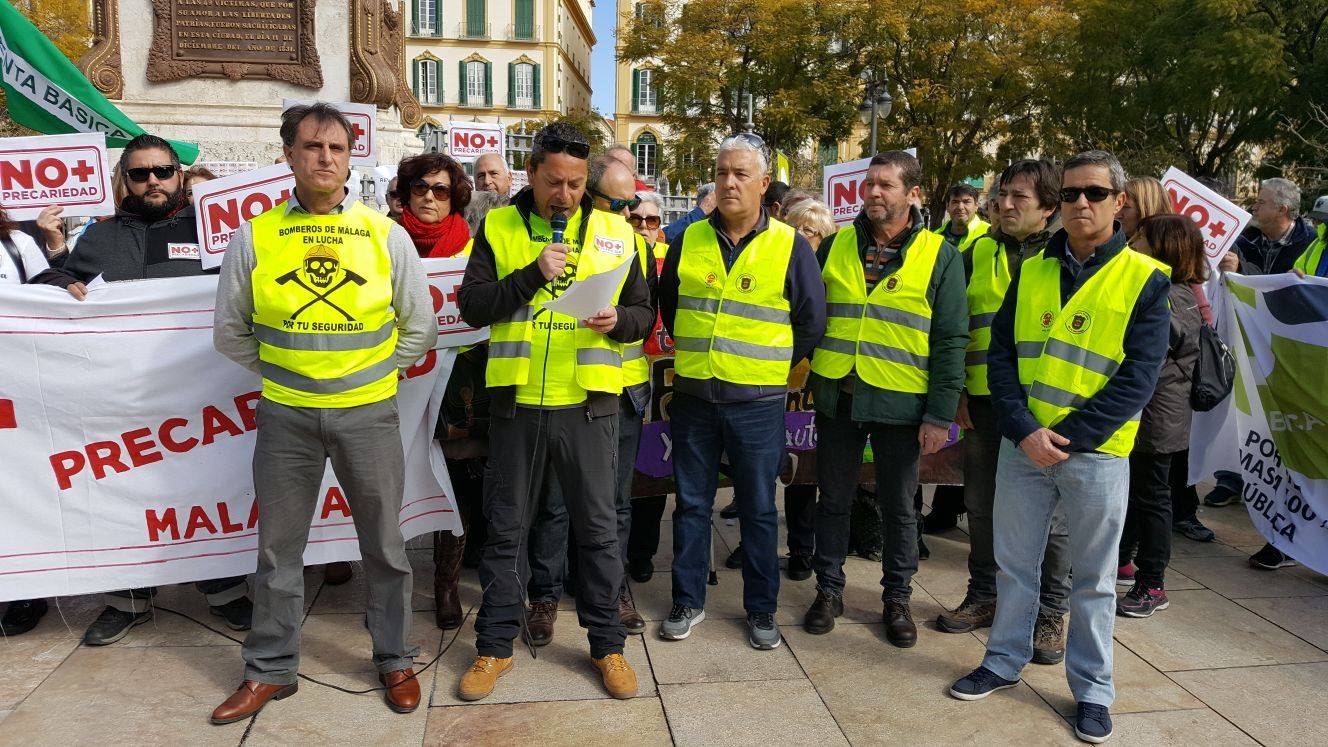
[492, 174]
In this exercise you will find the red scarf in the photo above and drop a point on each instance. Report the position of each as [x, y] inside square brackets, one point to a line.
[445, 238]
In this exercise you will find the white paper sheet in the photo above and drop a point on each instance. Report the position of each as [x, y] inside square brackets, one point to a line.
[586, 297]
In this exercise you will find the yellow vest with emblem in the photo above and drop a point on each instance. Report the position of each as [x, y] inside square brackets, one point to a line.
[636, 367]
[733, 324]
[609, 242]
[323, 316]
[1067, 355]
[977, 228]
[986, 290]
[884, 336]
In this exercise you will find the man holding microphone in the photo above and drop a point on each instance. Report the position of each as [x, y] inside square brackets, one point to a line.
[555, 384]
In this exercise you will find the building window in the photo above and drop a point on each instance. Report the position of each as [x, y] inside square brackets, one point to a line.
[426, 81]
[524, 82]
[643, 91]
[476, 84]
[646, 149]
[427, 17]
[525, 20]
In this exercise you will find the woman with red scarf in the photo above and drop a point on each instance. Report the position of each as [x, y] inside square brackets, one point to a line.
[434, 190]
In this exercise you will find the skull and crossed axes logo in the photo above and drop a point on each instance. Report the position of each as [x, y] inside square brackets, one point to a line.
[321, 266]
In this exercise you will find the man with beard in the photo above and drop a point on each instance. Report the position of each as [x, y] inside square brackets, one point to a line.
[151, 235]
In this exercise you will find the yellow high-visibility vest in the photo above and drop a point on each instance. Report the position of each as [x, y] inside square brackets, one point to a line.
[733, 324]
[1068, 354]
[636, 367]
[1308, 262]
[323, 316]
[986, 291]
[977, 228]
[884, 336]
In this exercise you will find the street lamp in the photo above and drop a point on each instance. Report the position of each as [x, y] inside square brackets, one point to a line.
[876, 104]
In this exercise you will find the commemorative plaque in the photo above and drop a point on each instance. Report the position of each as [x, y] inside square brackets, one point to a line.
[234, 39]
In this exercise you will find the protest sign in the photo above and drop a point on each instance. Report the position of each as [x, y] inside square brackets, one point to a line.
[519, 180]
[1281, 411]
[221, 205]
[363, 120]
[466, 142]
[66, 170]
[1220, 220]
[842, 186]
[444, 276]
[145, 477]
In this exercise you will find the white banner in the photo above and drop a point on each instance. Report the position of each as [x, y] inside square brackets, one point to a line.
[1281, 410]
[66, 170]
[221, 205]
[128, 440]
[363, 120]
[221, 169]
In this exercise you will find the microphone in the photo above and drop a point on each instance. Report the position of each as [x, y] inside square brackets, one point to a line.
[559, 224]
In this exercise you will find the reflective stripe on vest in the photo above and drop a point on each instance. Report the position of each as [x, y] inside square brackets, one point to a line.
[636, 369]
[609, 242]
[733, 324]
[323, 316]
[885, 336]
[1067, 355]
[986, 291]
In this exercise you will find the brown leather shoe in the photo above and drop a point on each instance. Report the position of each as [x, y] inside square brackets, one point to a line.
[250, 699]
[539, 622]
[403, 690]
[479, 680]
[899, 627]
[631, 619]
[619, 678]
[337, 573]
[448, 550]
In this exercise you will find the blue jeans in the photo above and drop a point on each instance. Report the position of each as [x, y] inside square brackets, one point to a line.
[752, 434]
[1094, 492]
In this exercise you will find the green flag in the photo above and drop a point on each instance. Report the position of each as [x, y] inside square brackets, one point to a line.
[47, 93]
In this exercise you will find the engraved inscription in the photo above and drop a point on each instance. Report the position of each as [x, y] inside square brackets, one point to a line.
[254, 31]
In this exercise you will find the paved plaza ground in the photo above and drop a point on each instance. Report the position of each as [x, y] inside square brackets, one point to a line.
[1241, 657]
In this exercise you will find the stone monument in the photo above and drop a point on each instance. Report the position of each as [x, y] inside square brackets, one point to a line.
[215, 72]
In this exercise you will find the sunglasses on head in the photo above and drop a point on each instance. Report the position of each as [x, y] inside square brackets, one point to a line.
[140, 174]
[1094, 194]
[572, 148]
[616, 204]
[651, 221]
[440, 191]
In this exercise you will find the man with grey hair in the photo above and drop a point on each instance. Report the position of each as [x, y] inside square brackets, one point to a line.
[742, 296]
[492, 175]
[1277, 234]
[1075, 351]
[705, 202]
[328, 393]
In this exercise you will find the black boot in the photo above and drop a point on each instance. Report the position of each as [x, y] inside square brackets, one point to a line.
[820, 618]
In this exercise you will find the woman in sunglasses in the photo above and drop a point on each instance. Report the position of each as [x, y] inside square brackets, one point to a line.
[646, 217]
[434, 190]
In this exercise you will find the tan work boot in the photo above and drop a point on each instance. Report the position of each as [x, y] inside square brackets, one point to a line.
[1049, 639]
[968, 616]
[619, 679]
[480, 679]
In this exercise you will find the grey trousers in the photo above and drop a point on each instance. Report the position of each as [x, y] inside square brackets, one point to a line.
[293, 446]
[982, 445]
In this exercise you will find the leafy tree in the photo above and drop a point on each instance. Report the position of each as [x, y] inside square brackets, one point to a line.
[64, 22]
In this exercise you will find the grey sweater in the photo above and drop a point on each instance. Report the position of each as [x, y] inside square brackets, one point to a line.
[232, 330]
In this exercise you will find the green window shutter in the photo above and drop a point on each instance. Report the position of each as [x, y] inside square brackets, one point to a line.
[511, 84]
[438, 31]
[461, 92]
[415, 69]
[488, 84]
[415, 27]
[475, 12]
[636, 90]
[535, 76]
[525, 19]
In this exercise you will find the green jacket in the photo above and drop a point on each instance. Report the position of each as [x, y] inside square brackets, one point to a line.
[949, 336]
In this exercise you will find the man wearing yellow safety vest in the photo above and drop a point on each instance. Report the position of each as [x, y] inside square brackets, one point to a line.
[1314, 262]
[889, 367]
[1075, 352]
[612, 190]
[326, 299]
[962, 226]
[740, 294]
[1028, 200]
[556, 385]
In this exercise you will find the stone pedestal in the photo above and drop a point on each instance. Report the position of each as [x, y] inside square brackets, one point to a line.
[234, 114]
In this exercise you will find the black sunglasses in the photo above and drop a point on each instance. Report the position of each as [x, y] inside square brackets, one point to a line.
[573, 148]
[440, 191]
[651, 221]
[616, 204]
[141, 173]
[1094, 194]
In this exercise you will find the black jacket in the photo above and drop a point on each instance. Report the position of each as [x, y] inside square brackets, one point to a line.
[1259, 256]
[485, 298]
